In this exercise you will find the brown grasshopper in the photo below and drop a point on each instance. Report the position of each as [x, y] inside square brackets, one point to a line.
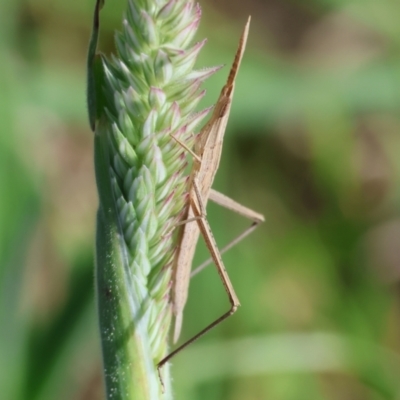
[207, 153]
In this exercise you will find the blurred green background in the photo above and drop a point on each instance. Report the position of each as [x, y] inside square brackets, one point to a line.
[313, 143]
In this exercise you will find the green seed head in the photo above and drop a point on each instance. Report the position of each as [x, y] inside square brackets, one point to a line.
[151, 92]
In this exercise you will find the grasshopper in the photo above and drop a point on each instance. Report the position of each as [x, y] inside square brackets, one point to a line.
[206, 157]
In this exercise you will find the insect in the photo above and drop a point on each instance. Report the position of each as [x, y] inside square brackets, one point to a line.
[206, 156]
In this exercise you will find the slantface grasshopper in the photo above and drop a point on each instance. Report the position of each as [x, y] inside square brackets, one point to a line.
[207, 154]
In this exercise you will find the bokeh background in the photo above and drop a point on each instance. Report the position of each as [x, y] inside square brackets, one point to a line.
[313, 143]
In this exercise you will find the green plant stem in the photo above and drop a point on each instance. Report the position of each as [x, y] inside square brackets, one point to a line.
[129, 369]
